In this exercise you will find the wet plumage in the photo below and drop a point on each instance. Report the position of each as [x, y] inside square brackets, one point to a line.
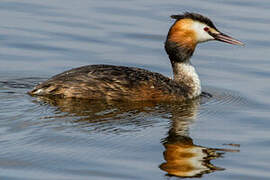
[112, 82]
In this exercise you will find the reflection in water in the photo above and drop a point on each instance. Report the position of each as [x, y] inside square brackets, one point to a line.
[182, 157]
[107, 117]
[185, 159]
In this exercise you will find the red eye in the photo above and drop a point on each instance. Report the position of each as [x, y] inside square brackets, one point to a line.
[206, 29]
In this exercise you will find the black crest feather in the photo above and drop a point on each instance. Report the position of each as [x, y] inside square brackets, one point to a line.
[195, 17]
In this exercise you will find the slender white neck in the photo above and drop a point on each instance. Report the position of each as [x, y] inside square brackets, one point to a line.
[186, 74]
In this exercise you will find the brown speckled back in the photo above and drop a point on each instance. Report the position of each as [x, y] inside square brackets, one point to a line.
[112, 83]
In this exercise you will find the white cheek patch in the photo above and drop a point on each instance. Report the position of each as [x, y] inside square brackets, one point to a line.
[201, 35]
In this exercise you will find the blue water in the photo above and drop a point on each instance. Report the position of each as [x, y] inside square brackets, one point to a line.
[223, 137]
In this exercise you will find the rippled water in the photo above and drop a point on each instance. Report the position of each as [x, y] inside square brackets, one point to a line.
[221, 137]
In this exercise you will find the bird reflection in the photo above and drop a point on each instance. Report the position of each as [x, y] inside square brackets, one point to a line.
[182, 158]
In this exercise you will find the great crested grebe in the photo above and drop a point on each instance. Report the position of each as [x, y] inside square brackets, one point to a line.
[135, 84]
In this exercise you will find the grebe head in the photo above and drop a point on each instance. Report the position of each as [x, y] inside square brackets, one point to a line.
[190, 29]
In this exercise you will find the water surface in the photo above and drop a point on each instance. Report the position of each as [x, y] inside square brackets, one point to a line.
[221, 137]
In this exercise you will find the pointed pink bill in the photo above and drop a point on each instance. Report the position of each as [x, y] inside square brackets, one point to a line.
[225, 38]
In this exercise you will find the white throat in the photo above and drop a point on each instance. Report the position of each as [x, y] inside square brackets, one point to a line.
[186, 73]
